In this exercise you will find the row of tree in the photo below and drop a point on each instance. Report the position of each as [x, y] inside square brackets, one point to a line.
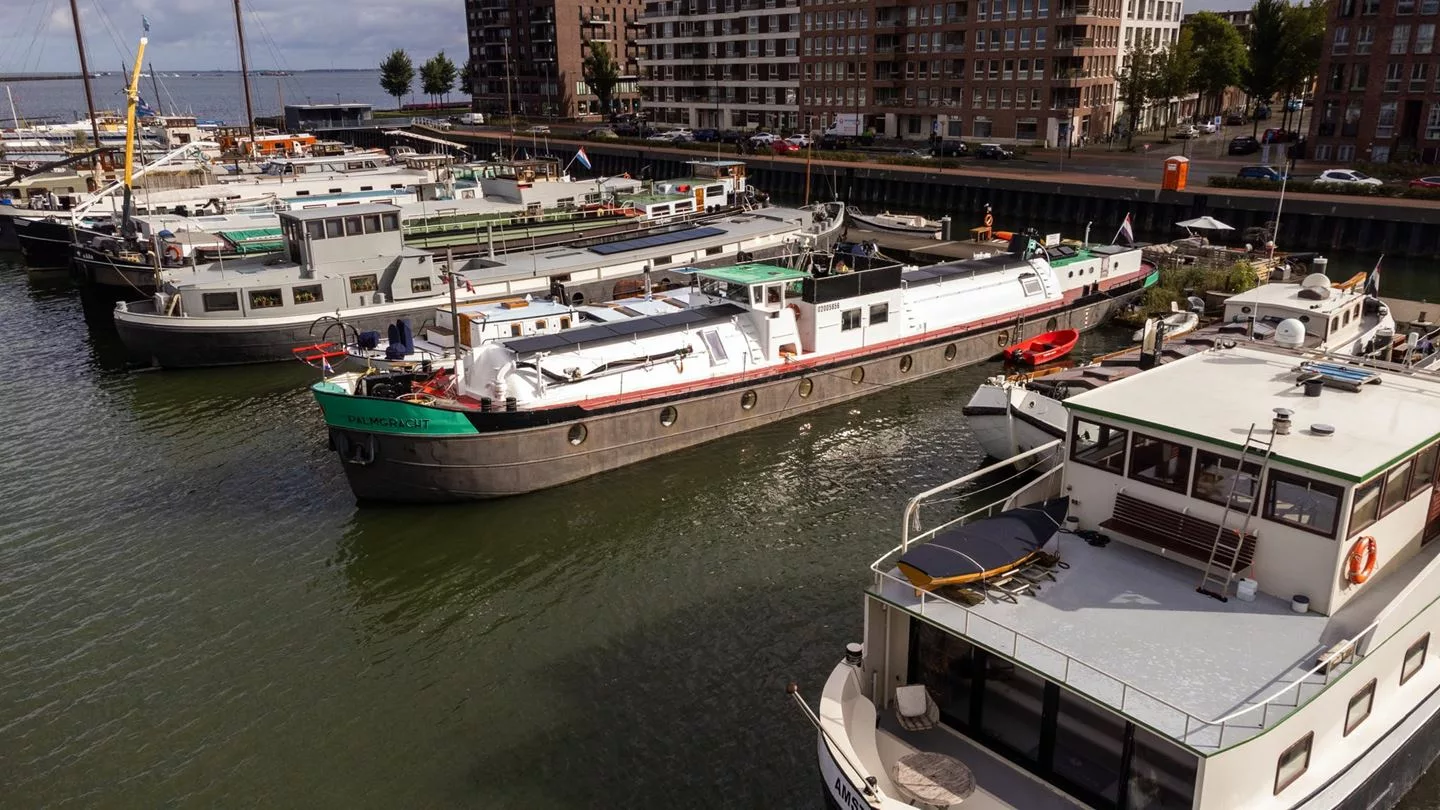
[437, 76]
[1210, 56]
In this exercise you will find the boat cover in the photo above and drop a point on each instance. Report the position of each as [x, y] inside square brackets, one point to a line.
[984, 547]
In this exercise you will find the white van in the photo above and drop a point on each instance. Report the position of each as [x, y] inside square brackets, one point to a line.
[472, 118]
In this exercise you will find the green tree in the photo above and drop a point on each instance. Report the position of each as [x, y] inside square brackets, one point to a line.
[602, 74]
[396, 74]
[437, 76]
[1135, 82]
[1219, 57]
[1261, 76]
[1304, 38]
[1173, 74]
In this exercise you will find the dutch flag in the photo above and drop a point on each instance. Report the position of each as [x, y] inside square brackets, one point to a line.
[583, 158]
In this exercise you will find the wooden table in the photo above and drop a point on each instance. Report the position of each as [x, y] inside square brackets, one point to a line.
[936, 779]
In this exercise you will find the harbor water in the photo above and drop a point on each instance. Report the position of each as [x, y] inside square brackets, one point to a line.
[198, 614]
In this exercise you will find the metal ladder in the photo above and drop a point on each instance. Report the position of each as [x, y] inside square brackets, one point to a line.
[1225, 551]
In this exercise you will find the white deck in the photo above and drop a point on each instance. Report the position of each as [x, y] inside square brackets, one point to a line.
[1127, 616]
[1228, 389]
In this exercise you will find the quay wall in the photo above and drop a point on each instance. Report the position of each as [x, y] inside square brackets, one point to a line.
[1308, 222]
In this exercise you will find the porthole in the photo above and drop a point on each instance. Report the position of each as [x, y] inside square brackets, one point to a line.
[747, 400]
[950, 353]
[857, 375]
[906, 363]
[668, 415]
[578, 434]
[807, 387]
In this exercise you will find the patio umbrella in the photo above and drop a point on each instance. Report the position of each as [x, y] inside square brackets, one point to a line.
[1205, 224]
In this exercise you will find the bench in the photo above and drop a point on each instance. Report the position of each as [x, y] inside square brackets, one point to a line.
[1179, 532]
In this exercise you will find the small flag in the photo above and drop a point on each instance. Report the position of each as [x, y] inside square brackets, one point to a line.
[145, 21]
[583, 158]
[1372, 281]
[1127, 231]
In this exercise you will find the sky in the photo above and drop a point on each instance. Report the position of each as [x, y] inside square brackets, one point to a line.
[37, 36]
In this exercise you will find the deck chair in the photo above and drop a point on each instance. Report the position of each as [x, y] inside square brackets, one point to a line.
[915, 710]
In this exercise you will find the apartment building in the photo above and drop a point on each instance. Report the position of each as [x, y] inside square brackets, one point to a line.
[528, 54]
[1007, 71]
[726, 64]
[1378, 96]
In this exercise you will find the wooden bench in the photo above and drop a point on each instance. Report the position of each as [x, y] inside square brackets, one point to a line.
[1175, 531]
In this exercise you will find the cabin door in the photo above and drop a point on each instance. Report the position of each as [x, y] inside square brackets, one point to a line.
[1432, 518]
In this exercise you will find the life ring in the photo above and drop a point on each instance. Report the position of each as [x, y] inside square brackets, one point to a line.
[173, 253]
[1363, 558]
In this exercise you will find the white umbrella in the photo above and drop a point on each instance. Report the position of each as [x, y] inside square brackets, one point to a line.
[1205, 223]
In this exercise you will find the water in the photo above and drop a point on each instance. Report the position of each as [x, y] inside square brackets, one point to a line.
[197, 613]
[211, 95]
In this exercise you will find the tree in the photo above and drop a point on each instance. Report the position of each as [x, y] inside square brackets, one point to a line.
[602, 74]
[1219, 56]
[396, 74]
[1261, 76]
[1135, 82]
[437, 76]
[1173, 73]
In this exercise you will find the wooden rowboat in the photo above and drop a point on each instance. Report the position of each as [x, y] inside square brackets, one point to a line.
[1042, 348]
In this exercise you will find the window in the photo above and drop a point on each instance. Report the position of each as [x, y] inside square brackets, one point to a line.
[1424, 472]
[364, 284]
[1301, 502]
[265, 299]
[334, 228]
[1160, 462]
[1216, 480]
[1414, 658]
[220, 302]
[1294, 761]
[879, 313]
[1396, 482]
[1360, 706]
[308, 293]
[1367, 505]
[1098, 445]
[850, 319]
[420, 285]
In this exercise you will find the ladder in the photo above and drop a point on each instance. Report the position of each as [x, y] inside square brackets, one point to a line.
[1219, 570]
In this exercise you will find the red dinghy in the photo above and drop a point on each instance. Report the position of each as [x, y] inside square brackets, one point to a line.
[1042, 348]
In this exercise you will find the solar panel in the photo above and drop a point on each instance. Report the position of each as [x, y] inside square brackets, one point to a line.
[627, 245]
[622, 330]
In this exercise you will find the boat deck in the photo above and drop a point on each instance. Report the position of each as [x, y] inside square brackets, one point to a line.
[1122, 611]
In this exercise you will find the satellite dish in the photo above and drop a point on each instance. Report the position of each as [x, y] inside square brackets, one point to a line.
[1290, 333]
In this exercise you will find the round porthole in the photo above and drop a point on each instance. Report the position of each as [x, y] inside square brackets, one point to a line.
[950, 353]
[578, 434]
[747, 400]
[857, 375]
[906, 363]
[668, 415]
[807, 387]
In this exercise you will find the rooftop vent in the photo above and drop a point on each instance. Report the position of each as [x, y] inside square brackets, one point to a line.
[1281, 423]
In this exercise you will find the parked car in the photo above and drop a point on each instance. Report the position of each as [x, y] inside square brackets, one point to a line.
[601, 133]
[1260, 173]
[1244, 145]
[949, 149]
[784, 147]
[1426, 182]
[1207, 128]
[763, 138]
[799, 139]
[707, 135]
[1348, 177]
[1185, 131]
[993, 151]
[1234, 120]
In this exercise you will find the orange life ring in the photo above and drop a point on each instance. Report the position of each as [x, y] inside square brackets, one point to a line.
[1363, 557]
[174, 253]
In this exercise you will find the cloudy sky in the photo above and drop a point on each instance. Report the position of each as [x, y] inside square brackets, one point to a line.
[36, 35]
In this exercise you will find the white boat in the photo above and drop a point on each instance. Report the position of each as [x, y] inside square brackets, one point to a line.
[1011, 415]
[895, 223]
[1124, 632]
[1175, 324]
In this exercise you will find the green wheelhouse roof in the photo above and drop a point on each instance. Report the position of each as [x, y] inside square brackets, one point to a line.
[754, 274]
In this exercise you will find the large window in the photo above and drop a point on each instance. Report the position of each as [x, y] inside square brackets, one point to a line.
[1216, 479]
[1160, 462]
[1359, 708]
[1294, 761]
[1301, 502]
[1414, 658]
[1098, 445]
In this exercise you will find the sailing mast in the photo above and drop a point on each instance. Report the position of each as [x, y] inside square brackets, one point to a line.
[244, 75]
[85, 74]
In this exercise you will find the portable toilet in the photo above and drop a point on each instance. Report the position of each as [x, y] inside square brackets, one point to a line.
[1177, 172]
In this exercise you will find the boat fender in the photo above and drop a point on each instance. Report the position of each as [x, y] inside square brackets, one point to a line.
[1363, 558]
[173, 253]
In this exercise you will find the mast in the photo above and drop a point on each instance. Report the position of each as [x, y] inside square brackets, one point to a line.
[155, 85]
[85, 74]
[244, 74]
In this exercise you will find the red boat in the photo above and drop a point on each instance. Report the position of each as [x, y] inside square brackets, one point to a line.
[1042, 348]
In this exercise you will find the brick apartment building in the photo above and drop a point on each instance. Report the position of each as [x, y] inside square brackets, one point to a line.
[726, 64]
[1378, 95]
[527, 54]
[996, 70]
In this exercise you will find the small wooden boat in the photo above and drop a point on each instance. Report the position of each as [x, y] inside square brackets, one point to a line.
[895, 223]
[1042, 348]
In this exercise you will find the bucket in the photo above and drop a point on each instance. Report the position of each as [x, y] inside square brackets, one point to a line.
[1245, 590]
[1300, 603]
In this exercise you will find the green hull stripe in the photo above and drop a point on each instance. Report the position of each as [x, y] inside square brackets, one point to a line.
[369, 415]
